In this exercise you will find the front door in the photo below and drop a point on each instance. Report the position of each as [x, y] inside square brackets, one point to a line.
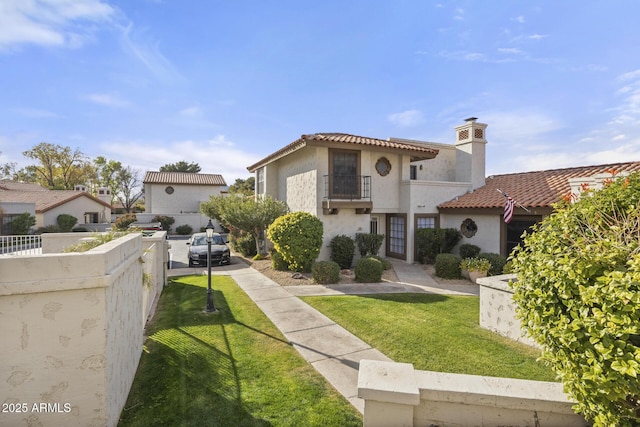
[397, 235]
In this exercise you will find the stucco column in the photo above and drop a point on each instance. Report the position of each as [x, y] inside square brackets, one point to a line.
[390, 393]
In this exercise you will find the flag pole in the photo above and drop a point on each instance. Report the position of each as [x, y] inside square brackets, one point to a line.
[516, 202]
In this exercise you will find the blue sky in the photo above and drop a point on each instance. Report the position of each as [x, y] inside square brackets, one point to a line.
[225, 83]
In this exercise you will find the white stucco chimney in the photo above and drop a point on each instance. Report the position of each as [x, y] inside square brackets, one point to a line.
[79, 187]
[104, 194]
[470, 152]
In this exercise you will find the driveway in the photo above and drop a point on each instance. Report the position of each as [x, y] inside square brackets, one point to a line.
[178, 253]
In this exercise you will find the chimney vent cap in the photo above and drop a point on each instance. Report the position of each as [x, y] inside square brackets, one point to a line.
[471, 119]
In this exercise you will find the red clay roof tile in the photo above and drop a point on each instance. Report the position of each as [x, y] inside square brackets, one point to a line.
[532, 189]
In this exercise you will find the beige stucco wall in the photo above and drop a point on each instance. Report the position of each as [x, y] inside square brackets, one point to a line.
[498, 310]
[72, 333]
[488, 234]
[184, 199]
[397, 395]
[77, 208]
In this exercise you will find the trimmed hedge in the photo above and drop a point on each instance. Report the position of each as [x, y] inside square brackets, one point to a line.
[66, 222]
[277, 262]
[497, 262]
[469, 251]
[166, 221]
[342, 250]
[448, 266]
[368, 243]
[433, 241]
[325, 272]
[368, 270]
[184, 229]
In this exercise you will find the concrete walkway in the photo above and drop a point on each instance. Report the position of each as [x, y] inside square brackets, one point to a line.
[333, 351]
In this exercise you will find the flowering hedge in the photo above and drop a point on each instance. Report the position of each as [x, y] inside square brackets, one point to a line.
[297, 236]
[578, 295]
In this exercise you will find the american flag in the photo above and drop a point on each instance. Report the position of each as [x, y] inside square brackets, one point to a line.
[508, 208]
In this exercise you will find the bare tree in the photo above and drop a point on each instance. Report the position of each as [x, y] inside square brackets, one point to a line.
[128, 189]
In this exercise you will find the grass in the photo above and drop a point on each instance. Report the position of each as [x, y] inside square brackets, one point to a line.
[229, 369]
[434, 332]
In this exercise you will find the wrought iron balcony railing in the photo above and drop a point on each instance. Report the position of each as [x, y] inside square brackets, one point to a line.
[347, 187]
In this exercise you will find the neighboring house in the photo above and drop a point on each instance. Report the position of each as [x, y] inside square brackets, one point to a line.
[479, 214]
[178, 195]
[49, 204]
[359, 184]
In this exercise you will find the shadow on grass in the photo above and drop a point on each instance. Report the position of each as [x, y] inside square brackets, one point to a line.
[188, 374]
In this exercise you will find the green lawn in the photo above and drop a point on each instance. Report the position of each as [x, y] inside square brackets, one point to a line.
[434, 332]
[230, 369]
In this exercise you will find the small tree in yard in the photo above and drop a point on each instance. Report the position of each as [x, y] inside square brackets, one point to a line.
[578, 295]
[246, 213]
[297, 236]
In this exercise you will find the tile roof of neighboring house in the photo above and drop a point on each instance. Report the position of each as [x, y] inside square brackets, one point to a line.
[20, 186]
[45, 200]
[532, 189]
[152, 177]
[417, 150]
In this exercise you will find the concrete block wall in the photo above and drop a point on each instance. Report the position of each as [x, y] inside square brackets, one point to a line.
[397, 395]
[72, 334]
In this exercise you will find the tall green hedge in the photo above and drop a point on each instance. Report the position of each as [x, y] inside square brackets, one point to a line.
[578, 295]
[342, 250]
[297, 236]
[433, 241]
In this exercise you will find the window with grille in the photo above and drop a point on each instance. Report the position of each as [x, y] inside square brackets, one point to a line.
[396, 234]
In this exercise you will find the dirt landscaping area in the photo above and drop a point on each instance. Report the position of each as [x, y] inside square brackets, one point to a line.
[289, 278]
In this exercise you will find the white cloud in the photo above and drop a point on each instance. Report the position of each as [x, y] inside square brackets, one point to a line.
[406, 118]
[537, 36]
[216, 155]
[510, 50]
[519, 19]
[36, 113]
[49, 22]
[107, 99]
[136, 44]
[191, 112]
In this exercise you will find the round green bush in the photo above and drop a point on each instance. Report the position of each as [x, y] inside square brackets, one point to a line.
[342, 250]
[66, 222]
[497, 262]
[297, 236]
[448, 266]
[166, 221]
[184, 229]
[386, 264]
[469, 251]
[243, 243]
[368, 270]
[325, 272]
[578, 296]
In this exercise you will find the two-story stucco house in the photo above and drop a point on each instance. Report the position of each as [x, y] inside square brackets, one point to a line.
[360, 184]
[178, 195]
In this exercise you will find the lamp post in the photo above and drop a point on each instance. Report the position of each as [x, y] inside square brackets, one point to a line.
[210, 308]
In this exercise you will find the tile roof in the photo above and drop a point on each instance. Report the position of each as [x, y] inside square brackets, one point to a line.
[45, 200]
[414, 148]
[532, 189]
[20, 186]
[152, 177]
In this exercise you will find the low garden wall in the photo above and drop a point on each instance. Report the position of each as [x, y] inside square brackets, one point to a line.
[497, 309]
[72, 333]
[395, 394]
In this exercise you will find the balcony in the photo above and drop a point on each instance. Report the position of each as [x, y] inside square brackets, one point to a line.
[347, 191]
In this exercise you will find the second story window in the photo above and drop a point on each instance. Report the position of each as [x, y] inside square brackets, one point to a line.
[344, 168]
[260, 181]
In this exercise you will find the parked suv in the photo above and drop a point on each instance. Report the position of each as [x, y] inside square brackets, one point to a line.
[220, 253]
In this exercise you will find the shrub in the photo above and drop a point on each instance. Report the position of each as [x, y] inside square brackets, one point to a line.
[368, 270]
[297, 236]
[368, 243]
[497, 262]
[66, 222]
[386, 264]
[22, 223]
[258, 257]
[277, 262]
[469, 251]
[242, 242]
[448, 266]
[124, 221]
[184, 229]
[166, 221]
[475, 264]
[433, 241]
[51, 228]
[342, 249]
[325, 272]
[578, 296]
